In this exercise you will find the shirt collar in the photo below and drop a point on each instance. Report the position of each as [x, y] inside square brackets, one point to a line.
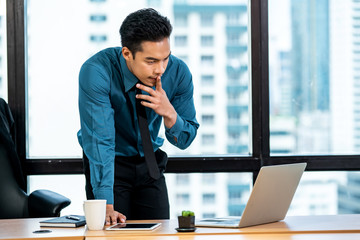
[129, 78]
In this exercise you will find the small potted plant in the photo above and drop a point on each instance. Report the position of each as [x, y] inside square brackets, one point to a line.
[187, 220]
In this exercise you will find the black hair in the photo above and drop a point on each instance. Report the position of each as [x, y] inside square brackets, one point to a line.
[143, 25]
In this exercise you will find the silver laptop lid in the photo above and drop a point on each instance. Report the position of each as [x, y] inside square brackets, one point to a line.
[272, 194]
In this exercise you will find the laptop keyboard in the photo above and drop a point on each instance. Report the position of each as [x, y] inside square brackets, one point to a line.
[221, 221]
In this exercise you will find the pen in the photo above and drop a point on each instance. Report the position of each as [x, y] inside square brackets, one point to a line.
[73, 218]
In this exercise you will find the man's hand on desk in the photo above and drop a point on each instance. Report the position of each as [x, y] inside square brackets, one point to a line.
[113, 216]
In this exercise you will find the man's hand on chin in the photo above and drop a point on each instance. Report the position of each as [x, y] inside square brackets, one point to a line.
[159, 102]
[112, 216]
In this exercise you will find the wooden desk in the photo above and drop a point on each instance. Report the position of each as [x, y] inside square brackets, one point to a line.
[344, 227]
[291, 225]
[21, 229]
[284, 236]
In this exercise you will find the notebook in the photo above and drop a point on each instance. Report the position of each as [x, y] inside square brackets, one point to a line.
[64, 221]
[269, 200]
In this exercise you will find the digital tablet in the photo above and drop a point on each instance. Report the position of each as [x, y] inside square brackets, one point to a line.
[134, 226]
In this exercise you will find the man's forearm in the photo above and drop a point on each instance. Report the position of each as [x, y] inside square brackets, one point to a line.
[170, 119]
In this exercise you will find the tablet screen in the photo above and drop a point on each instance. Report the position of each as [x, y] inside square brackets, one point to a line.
[134, 226]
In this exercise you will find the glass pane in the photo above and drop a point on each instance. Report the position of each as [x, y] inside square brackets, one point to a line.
[70, 186]
[208, 194]
[222, 194]
[314, 77]
[3, 51]
[327, 193]
[59, 43]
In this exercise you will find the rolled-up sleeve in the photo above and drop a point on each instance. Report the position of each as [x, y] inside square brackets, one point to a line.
[97, 129]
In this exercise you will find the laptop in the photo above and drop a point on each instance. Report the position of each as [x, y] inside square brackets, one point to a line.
[269, 200]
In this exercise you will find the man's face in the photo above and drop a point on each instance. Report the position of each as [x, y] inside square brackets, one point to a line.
[149, 63]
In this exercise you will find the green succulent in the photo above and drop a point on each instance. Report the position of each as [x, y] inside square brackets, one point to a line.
[187, 213]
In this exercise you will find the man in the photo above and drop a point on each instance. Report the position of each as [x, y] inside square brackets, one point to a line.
[115, 165]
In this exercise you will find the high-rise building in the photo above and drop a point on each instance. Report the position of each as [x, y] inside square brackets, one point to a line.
[310, 45]
[311, 74]
[349, 194]
[212, 38]
[300, 81]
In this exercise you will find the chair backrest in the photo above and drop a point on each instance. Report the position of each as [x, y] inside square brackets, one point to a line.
[13, 199]
[8, 139]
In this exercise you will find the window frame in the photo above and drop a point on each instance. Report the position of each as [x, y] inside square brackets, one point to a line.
[260, 155]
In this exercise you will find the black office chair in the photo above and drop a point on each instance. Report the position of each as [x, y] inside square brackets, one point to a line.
[14, 201]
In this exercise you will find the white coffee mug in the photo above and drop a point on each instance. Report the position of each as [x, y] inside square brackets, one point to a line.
[95, 211]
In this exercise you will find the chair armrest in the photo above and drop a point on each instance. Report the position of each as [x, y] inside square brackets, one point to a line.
[46, 203]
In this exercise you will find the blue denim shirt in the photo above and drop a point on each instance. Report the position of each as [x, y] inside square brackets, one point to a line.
[108, 119]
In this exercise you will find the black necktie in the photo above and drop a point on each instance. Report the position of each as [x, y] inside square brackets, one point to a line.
[145, 138]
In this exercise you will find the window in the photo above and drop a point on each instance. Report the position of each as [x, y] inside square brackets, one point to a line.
[209, 179]
[182, 179]
[236, 211]
[181, 20]
[182, 199]
[233, 38]
[233, 138]
[57, 96]
[98, 38]
[154, 3]
[236, 71]
[201, 188]
[207, 100]
[181, 41]
[98, 18]
[207, 20]
[208, 198]
[52, 95]
[310, 67]
[184, 58]
[207, 119]
[234, 55]
[71, 186]
[234, 117]
[207, 41]
[233, 98]
[235, 196]
[207, 80]
[308, 96]
[233, 18]
[208, 215]
[208, 139]
[207, 61]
